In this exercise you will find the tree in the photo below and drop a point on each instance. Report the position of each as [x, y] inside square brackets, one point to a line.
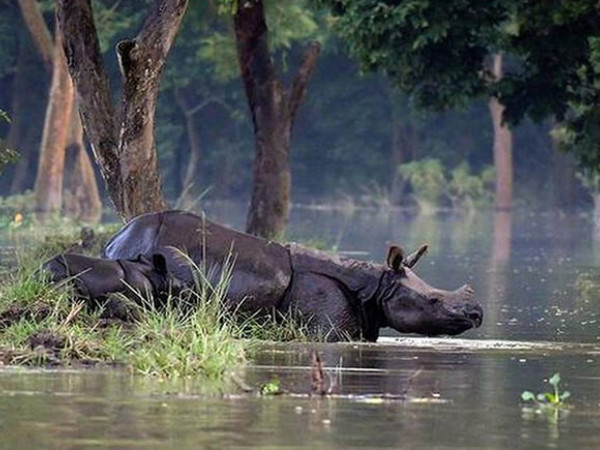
[123, 141]
[273, 110]
[62, 128]
[49, 180]
[436, 50]
[503, 161]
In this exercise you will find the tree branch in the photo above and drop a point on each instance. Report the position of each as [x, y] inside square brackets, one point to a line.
[142, 60]
[297, 90]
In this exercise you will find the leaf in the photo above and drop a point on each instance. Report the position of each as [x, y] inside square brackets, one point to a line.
[527, 396]
[554, 379]
[270, 388]
[565, 395]
[541, 397]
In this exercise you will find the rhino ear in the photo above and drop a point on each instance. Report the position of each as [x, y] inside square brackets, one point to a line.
[395, 257]
[159, 262]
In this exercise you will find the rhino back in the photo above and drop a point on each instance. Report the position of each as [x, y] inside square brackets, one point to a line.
[261, 269]
[358, 277]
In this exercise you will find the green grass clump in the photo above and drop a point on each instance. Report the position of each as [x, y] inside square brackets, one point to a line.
[172, 342]
[184, 336]
[276, 327]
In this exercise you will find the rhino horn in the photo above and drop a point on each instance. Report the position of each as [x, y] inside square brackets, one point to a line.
[412, 259]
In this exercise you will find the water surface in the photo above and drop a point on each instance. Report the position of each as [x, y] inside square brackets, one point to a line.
[450, 393]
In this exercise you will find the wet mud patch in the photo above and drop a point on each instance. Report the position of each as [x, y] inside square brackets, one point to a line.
[13, 314]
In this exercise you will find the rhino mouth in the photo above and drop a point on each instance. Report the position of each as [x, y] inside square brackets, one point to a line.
[462, 321]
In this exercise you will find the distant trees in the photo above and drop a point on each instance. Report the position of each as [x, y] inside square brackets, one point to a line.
[62, 132]
[353, 131]
[439, 52]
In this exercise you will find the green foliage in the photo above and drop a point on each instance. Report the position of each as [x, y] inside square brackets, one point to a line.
[466, 188]
[426, 177]
[437, 51]
[590, 179]
[276, 327]
[433, 49]
[554, 399]
[273, 387]
[6, 154]
[431, 185]
[288, 22]
[114, 19]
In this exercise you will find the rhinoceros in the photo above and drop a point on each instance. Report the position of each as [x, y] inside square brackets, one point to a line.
[339, 298]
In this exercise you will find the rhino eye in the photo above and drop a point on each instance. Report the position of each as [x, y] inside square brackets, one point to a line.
[434, 300]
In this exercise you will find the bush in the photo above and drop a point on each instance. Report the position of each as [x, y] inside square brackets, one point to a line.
[432, 188]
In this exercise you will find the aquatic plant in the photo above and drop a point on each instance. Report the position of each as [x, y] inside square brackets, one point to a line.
[554, 399]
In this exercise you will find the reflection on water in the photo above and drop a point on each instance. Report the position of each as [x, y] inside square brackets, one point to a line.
[460, 400]
[523, 267]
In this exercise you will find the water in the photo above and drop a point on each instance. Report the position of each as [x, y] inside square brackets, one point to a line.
[450, 393]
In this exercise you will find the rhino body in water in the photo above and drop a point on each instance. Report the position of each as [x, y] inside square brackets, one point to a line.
[339, 298]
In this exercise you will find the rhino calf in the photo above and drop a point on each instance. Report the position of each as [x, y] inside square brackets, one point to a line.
[340, 298]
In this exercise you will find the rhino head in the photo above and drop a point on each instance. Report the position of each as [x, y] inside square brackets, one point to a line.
[410, 305]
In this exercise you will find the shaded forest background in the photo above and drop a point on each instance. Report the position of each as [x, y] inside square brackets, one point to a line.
[351, 133]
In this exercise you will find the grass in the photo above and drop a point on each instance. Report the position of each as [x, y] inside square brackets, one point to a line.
[187, 336]
[184, 336]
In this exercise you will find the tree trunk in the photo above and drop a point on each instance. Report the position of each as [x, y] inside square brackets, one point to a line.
[596, 232]
[402, 149]
[125, 149]
[502, 146]
[192, 167]
[80, 183]
[39, 31]
[15, 134]
[273, 111]
[48, 185]
[565, 178]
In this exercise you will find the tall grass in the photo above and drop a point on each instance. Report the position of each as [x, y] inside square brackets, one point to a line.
[185, 336]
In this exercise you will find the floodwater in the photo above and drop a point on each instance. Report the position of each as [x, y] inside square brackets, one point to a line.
[530, 271]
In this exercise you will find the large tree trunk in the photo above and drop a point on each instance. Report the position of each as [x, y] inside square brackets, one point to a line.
[273, 111]
[124, 148]
[502, 146]
[49, 181]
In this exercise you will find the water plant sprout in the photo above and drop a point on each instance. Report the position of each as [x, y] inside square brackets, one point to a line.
[554, 399]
